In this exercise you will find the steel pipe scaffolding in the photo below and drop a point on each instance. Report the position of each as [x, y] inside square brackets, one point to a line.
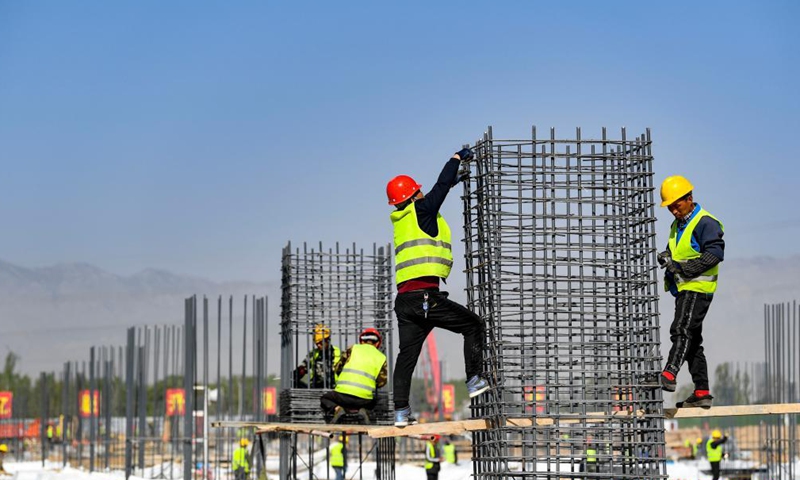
[560, 263]
[343, 291]
[781, 340]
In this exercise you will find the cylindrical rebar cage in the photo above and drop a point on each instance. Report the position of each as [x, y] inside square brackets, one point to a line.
[331, 294]
[560, 254]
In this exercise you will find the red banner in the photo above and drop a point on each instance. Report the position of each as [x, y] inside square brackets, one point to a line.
[269, 401]
[6, 401]
[448, 398]
[85, 404]
[532, 395]
[176, 401]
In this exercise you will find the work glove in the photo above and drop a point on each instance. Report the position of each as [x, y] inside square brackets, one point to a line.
[463, 175]
[666, 261]
[664, 258]
[465, 154]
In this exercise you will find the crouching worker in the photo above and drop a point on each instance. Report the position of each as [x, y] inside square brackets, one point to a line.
[361, 370]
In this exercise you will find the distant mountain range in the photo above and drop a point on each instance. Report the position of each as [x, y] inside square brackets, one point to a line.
[53, 314]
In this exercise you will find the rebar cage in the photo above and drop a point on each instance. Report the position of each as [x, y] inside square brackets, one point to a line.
[560, 255]
[344, 290]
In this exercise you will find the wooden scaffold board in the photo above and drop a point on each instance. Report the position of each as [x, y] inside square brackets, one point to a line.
[462, 426]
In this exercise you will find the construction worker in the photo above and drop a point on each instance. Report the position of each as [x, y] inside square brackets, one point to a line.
[361, 370]
[691, 263]
[450, 454]
[698, 441]
[3, 452]
[50, 433]
[691, 448]
[433, 457]
[241, 460]
[338, 456]
[589, 465]
[320, 362]
[714, 451]
[423, 256]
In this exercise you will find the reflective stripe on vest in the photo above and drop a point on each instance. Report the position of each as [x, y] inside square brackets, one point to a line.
[713, 454]
[361, 371]
[682, 251]
[240, 459]
[337, 457]
[417, 254]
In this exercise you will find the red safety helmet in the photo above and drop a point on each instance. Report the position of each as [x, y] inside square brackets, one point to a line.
[436, 437]
[371, 335]
[401, 188]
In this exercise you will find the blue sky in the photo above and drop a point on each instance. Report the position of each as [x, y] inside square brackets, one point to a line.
[200, 137]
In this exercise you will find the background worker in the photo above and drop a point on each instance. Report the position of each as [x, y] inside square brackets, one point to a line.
[433, 457]
[3, 452]
[361, 370]
[338, 456]
[714, 451]
[241, 460]
[320, 362]
[449, 449]
[691, 448]
[423, 256]
[691, 263]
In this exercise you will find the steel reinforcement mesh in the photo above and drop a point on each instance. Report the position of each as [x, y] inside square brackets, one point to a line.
[346, 289]
[560, 257]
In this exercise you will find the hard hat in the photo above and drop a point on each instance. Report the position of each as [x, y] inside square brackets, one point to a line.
[436, 437]
[673, 188]
[321, 332]
[3, 447]
[401, 188]
[716, 434]
[699, 440]
[371, 335]
[343, 438]
[244, 442]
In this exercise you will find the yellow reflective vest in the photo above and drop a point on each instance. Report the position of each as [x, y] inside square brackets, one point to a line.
[682, 251]
[432, 453]
[360, 373]
[337, 454]
[417, 254]
[450, 453]
[240, 460]
[713, 454]
[591, 455]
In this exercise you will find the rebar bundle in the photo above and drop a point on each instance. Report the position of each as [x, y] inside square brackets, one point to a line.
[338, 292]
[560, 255]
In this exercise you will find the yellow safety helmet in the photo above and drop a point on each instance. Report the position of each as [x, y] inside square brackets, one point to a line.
[698, 441]
[3, 447]
[716, 434]
[673, 188]
[244, 442]
[321, 332]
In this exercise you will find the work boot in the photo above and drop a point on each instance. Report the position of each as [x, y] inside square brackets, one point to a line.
[363, 416]
[476, 385]
[695, 401]
[338, 413]
[403, 417]
[667, 384]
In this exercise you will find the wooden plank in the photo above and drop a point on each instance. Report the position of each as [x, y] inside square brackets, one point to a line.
[462, 426]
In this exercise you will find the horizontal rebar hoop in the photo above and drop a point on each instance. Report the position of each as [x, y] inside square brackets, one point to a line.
[560, 255]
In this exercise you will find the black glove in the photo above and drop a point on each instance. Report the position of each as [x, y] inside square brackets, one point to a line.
[666, 261]
[664, 258]
[465, 154]
[463, 175]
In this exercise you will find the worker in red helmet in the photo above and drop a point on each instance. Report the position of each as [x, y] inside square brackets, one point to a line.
[433, 457]
[423, 258]
[360, 371]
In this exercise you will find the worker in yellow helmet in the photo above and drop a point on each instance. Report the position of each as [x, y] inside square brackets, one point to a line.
[3, 452]
[338, 456]
[691, 448]
[424, 258]
[714, 451]
[691, 263]
[320, 361]
[241, 460]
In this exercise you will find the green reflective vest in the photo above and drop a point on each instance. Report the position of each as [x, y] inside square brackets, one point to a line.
[432, 453]
[591, 455]
[319, 356]
[240, 460]
[359, 375]
[713, 454]
[682, 251]
[417, 254]
[450, 453]
[337, 454]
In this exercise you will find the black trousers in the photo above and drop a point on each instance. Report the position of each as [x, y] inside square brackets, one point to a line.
[433, 472]
[330, 400]
[686, 333]
[715, 470]
[414, 329]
